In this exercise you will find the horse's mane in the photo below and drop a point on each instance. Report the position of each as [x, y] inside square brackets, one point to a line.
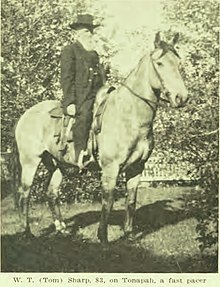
[166, 47]
[136, 68]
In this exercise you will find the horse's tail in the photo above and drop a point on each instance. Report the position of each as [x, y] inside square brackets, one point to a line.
[16, 171]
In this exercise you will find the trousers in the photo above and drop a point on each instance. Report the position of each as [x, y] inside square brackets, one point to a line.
[82, 126]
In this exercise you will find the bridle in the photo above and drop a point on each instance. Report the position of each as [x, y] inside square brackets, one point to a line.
[164, 90]
[153, 105]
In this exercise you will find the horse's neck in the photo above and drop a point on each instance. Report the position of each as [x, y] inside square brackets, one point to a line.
[139, 81]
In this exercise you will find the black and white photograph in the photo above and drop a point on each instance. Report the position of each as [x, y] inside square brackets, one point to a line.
[109, 142]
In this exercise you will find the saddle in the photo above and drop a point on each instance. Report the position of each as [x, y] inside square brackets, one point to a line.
[64, 132]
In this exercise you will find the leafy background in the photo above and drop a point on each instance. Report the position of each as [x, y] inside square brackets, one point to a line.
[34, 32]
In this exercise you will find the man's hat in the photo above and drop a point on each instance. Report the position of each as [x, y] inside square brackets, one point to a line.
[84, 21]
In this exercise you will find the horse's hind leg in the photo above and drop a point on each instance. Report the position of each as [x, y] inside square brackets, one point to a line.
[53, 181]
[53, 200]
[28, 172]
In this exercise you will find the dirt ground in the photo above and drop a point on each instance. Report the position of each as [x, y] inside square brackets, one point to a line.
[165, 238]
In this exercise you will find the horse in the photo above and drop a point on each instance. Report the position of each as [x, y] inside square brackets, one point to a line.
[125, 141]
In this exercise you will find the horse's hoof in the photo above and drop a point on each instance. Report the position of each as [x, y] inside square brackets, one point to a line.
[129, 237]
[104, 243]
[99, 235]
[27, 235]
[60, 226]
[102, 236]
[105, 249]
[64, 232]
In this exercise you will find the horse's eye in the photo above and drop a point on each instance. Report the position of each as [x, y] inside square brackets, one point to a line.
[159, 64]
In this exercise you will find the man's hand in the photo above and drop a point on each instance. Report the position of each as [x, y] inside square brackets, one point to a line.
[71, 110]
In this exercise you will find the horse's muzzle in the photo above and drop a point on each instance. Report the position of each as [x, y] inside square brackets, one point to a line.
[178, 100]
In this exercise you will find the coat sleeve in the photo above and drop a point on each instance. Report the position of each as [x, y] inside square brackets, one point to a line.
[68, 71]
[102, 73]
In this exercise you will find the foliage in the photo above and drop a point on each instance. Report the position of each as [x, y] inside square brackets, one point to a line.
[74, 188]
[29, 33]
[34, 32]
[205, 208]
[196, 127]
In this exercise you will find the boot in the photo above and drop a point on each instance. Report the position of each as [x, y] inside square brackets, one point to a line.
[63, 134]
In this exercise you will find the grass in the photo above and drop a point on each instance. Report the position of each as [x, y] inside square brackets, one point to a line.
[165, 238]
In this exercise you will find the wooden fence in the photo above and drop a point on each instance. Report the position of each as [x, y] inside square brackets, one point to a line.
[158, 169]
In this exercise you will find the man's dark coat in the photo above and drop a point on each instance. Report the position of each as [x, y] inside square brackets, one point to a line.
[81, 77]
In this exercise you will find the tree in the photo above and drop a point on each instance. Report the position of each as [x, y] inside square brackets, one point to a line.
[34, 32]
[197, 125]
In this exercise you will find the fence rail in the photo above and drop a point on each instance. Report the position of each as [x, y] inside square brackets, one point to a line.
[164, 171]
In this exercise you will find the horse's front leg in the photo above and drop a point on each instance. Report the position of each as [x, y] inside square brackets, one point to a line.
[132, 186]
[109, 178]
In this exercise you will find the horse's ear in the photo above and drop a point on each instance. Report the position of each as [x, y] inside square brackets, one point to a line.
[175, 39]
[157, 40]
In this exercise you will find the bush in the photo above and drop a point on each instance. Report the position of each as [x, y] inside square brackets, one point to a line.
[196, 128]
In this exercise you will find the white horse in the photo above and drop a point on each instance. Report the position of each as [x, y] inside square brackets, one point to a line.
[124, 143]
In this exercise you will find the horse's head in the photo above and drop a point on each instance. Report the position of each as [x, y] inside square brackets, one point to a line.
[165, 74]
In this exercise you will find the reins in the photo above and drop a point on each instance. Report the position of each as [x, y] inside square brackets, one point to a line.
[150, 103]
[146, 101]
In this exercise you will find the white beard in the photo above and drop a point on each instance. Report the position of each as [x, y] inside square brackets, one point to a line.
[88, 45]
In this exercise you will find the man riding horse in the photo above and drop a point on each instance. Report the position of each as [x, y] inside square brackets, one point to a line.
[125, 141]
[82, 75]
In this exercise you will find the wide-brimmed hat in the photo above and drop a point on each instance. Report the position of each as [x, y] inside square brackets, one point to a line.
[84, 21]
